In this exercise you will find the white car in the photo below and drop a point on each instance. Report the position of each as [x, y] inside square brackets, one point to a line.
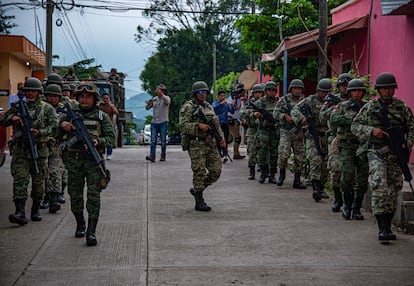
[147, 135]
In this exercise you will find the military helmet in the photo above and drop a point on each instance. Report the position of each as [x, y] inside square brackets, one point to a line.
[54, 78]
[356, 84]
[386, 79]
[343, 77]
[239, 86]
[258, 88]
[33, 83]
[53, 89]
[66, 87]
[199, 85]
[296, 83]
[270, 85]
[324, 85]
[88, 87]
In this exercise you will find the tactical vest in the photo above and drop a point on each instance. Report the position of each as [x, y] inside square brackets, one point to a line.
[396, 119]
[344, 132]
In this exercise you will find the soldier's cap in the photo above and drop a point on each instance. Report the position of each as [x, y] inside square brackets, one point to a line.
[161, 86]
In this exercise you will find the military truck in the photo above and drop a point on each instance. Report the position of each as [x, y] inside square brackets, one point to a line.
[116, 92]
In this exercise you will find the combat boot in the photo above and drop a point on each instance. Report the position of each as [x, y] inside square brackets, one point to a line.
[200, 204]
[388, 218]
[323, 194]
[296, 182]
[45, 202]
[53, 204]
[80, 225]
[382, 232]
[35, 213]
[19, 216]
[61, 198]
[282, 176]
[337, 204]
[346, 211]
[252, 174]
[90, 233]
[356, 207]
[316, 192]
[263, 173]
[272, 179]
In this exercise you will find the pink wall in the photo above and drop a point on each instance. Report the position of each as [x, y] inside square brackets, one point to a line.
[392, 46]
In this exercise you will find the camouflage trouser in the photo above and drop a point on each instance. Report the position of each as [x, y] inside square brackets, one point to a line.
[291, 142]
[354, 169]
[235, 133]
[269, 141]
[385, 180]
[22, 169]
[205, 163]
[253, 145]
[54, 179]
[334, 164]
[318, 169]
[79, 170]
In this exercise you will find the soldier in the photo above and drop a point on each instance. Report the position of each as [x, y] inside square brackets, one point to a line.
[306, 113]
[113, 76]
[67, 95]
[247, 117]
[80, 166]
[236, 97]
[268, 135]
[334, 165]
[373, 125]
[205, 159]
[291, 137]
[52, 78]
[110, 109]
[23, 167]
[54, 180]
[353, 165]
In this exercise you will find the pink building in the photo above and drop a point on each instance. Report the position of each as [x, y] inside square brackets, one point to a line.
[367, 36]
[386, 45]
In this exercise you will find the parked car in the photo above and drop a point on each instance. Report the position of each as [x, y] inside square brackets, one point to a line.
[147, 135]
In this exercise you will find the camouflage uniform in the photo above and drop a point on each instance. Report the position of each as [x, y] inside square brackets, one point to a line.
[204, 155]
[353, 165]
[247, 117]
[318, 172]
[80, 166]
[291, 138]
[22, 167]
[385, 173]
[268, 136]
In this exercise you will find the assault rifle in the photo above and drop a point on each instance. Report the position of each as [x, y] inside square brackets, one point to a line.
[311, 127]
[397, 142]
[82, 136]
[332, 99]
[266, 114]
[27, 125]
[213, 132]
[288, 108]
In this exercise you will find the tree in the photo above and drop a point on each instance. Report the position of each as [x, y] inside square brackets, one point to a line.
[184, 54]
[260, 33]
[82, 69]
[5, 24]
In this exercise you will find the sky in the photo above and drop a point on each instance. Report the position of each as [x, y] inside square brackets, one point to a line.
[107, 36]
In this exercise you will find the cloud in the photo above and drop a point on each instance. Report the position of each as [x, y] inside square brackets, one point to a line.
[104, 35]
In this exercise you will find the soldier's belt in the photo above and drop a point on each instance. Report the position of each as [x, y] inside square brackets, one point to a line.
[198, 138]
[349, 141]
[25, 144]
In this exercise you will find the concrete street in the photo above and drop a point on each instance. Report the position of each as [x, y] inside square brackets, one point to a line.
[150, 234]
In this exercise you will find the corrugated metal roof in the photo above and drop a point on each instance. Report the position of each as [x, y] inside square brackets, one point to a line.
[397, 7]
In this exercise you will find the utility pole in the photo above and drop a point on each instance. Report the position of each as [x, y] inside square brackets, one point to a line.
[323, 27]
[49, 14]
[214, 69]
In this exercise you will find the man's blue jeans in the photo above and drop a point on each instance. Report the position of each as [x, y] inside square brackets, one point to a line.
[162, 129]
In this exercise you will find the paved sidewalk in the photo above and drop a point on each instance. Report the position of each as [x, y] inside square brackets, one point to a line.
[149, 234]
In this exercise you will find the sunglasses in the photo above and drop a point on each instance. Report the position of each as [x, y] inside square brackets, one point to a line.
[202, 92]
